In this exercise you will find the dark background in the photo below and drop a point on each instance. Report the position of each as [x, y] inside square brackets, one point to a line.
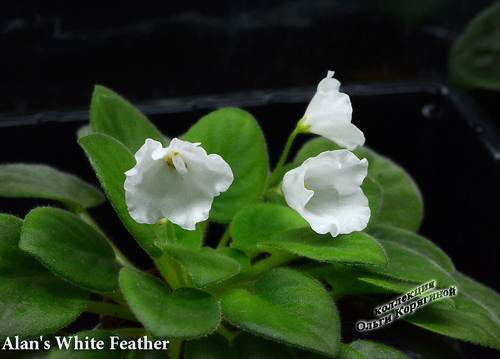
[179, 60]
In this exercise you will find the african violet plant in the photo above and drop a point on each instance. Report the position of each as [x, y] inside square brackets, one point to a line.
[330, 228]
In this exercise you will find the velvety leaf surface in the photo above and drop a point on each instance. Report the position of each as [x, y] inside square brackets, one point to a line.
[73, 351]
[235, 136]
[372, 350]
[259, 222]
[112, 115]
[186, 313]
[346, 352]
[214, 346]
[33, 301]
[70, 248]
[205, 266]
[248, 346]
[189, 239]
[473, 58]
[238, 256]
[356, 247]
[476, 317]
[38, 181]
[401, 204]
[110, 160]
[411, 258]
[287, 306]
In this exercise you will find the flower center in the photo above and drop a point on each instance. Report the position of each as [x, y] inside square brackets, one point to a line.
[174, 160]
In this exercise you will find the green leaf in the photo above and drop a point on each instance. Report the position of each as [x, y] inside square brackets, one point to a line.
[401, 204]
[112, 115]
[372, 350]
[259, 222]
[236, 137]
[407, 251]
[356, 247]
[238, 256]
[473, 58]
[110, 160]
[248, 346]
[189, 239]
[415, 242]
[74, 352]
[40, 181]
[33, 301]
[214, 346]
[187, 313]
[70, 248]
[373, 191]
[475, 319]
[205, 266]
[286, 306]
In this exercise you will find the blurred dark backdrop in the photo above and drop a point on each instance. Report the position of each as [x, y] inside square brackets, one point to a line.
[53, 52]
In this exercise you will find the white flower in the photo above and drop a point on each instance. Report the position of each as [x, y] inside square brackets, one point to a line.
[178, 183]
[329, 115]
[325, 191]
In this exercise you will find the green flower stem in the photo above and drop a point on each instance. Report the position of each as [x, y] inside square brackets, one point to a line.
[175, 348]
[168, 268]
[169, 226]
[225, 238]
[116, 296]
[113, 310]
[271, 262]
[282, 160]
[119, 255]
[222, 329]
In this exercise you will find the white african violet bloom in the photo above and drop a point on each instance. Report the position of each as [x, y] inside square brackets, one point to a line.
[178, 183]
[325, 191]
[329, 115]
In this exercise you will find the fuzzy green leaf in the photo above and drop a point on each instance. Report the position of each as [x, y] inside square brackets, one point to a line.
[38, 181]
[205, 266]
[114, 116]
[475, 319]
[405, 252]
[356, 247]
[371, 350]
[237, 138]
[474, 57]
[33, 301]
[187, 313]
[287, 306]
[110, 160]
[214, 346]
[259, 222]
[70, 248]
[248, 346]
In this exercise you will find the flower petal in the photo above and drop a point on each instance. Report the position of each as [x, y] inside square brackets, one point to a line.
[178, 183]
[325, 191]
[329, 115]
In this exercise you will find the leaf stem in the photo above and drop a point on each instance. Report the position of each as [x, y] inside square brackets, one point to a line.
[168, 269]
[175, 348]
[282, 160]
[225, 238]
[120, 257]
[271, 262]
[113, 310]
